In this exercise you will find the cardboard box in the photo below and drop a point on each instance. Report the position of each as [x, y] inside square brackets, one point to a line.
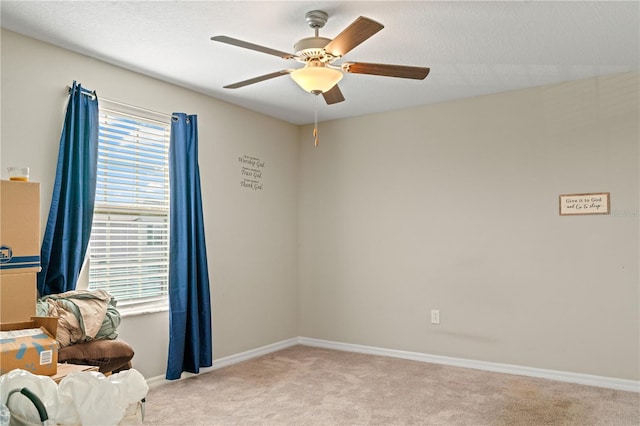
[19, 227]
[18, 296]
[34, 351]
[65, 369]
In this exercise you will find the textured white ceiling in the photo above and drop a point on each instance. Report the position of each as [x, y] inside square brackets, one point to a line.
[473, 48]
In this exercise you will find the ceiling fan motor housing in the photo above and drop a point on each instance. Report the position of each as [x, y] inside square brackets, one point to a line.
[312, 48]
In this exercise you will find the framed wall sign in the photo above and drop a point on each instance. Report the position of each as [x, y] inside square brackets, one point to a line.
[591, 203]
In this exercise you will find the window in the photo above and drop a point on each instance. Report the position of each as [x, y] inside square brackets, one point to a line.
[129, 245]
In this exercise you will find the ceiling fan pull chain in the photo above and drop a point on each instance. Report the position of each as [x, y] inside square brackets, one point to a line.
[315, 121]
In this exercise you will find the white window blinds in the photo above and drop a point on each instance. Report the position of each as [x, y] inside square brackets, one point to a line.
[129, 246]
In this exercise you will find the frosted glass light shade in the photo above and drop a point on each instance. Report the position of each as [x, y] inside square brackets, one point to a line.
[316, 79]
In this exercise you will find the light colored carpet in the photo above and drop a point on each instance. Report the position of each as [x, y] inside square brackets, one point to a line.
[311, 386]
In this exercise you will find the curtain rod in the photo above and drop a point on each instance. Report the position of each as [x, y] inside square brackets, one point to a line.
[92, 94]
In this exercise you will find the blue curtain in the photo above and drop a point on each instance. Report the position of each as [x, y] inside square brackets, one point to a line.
[69, 224]
[190, 345]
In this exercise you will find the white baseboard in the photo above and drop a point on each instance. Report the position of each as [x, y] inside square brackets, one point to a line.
[230, 360]
[562, 376]
[253, 353]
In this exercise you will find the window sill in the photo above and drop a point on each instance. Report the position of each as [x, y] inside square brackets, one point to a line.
[143, 310]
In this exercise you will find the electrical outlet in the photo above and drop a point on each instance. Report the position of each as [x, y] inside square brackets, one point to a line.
[435, 316]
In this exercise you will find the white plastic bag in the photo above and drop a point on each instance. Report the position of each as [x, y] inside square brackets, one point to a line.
[84, 398]
[42, 386]
[5, 415]
[134, 388]
[132, 384]
[89, 398]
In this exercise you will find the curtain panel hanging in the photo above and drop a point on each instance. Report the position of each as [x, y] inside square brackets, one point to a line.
[69, 223]
[190, 343]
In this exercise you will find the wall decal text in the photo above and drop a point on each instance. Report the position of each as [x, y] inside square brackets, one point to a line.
[251, 170]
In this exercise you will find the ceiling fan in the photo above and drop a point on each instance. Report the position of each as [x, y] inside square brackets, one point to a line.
[319, 75]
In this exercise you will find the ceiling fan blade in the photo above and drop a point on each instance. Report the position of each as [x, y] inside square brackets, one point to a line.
[401, 71]
[359, 30]
[256, 47]
[257, 79]
[333, 95]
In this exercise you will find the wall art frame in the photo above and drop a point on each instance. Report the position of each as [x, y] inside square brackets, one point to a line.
[585, 204]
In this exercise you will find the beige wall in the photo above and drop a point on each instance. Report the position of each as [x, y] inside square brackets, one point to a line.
[251, 235]
[455, 207]
[451, 207]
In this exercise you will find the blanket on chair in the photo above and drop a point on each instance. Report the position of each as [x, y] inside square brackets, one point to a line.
[84, 315]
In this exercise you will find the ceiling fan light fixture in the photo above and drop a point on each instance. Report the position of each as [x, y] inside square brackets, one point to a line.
[318, 54]
[316, 78]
